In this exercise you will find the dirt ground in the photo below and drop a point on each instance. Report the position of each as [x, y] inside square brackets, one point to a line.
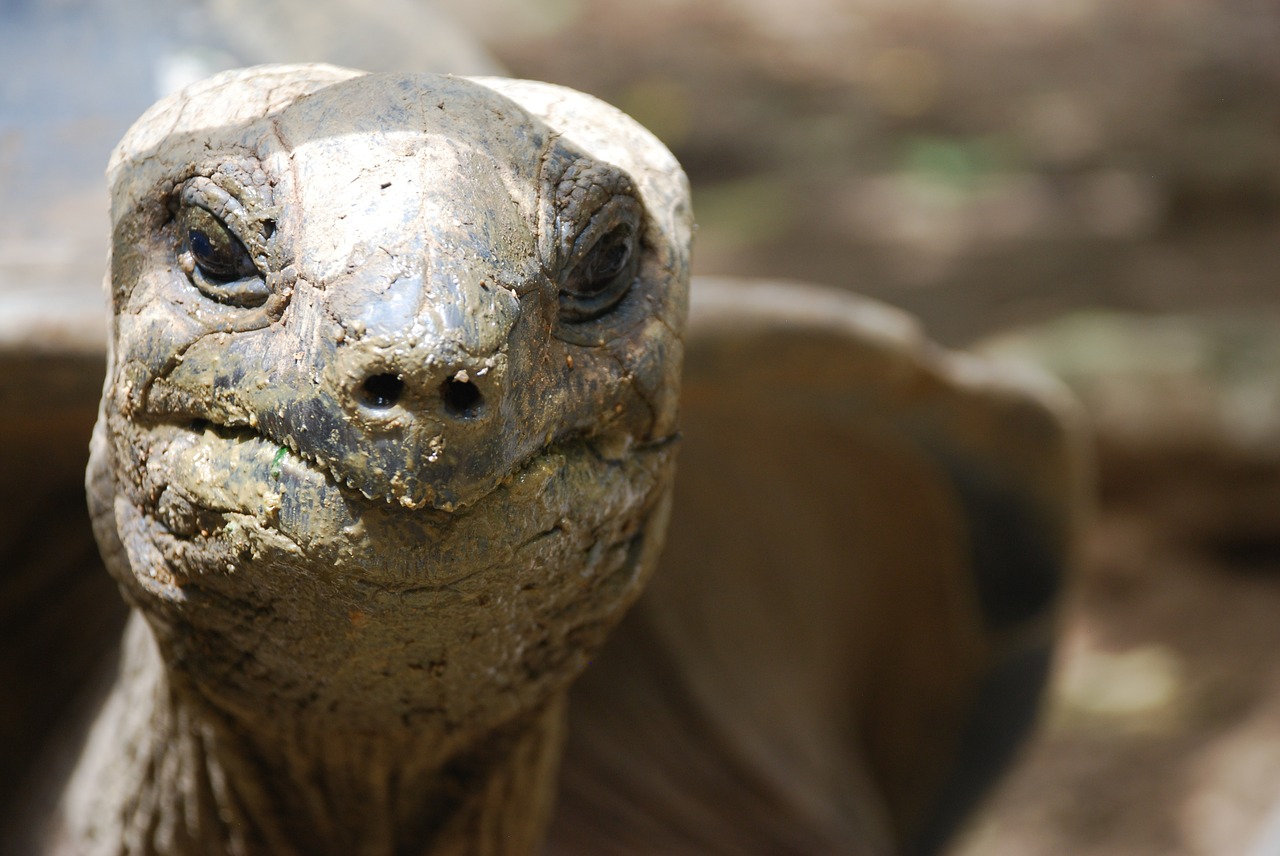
[989, 164]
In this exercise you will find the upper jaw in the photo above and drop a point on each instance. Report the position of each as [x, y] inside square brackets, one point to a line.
[266, 460]
[220, 498]
[284, 453]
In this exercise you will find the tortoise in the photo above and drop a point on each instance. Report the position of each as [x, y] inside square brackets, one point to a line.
[386, 451]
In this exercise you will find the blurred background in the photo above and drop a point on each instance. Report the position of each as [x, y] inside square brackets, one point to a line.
[1092, 186]
[979, 162]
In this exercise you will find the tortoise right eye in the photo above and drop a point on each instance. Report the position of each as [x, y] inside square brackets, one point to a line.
[219, 254]
[220, 265]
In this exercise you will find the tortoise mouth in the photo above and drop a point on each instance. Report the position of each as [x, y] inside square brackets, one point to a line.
[285, 454]
[404, 463]
[292, 460]
[218, 499]
[260, 463]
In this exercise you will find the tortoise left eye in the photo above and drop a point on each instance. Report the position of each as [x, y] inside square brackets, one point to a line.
[606, 263]
[606, 267]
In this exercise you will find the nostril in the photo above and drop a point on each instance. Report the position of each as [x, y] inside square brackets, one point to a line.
[462, 398]
[382, 391]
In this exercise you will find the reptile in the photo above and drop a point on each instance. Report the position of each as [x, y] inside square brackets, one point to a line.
[387, 448]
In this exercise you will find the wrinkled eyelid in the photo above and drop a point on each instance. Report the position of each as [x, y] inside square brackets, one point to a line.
[245, 209]
[619, 210]
[592, 282]
[583, 188]
[205, 193]
[254, 228]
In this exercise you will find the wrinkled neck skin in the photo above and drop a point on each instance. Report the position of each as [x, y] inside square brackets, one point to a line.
[190, 779]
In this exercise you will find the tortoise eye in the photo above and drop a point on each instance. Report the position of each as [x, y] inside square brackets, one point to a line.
[221, 267]
[218, 253]
[606, 269]
[606, 263]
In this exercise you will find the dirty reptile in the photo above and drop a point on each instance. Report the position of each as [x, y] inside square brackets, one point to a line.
[386, 450]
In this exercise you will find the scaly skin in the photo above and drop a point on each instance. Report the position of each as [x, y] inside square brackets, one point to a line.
[380, 482]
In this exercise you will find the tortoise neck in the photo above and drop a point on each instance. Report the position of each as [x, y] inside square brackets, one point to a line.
[201, 781]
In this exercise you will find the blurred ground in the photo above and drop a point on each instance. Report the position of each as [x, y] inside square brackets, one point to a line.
[1162, 734]
[988, 164]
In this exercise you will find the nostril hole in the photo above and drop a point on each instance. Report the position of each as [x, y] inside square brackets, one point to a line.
[461, 396]
[382, 390]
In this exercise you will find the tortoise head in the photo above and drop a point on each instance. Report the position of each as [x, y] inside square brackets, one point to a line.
[388, 429]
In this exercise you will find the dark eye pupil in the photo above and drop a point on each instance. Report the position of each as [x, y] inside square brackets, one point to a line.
[216, 251]
[613, 258]
[216, 260]
[200, 244]
[608, 259]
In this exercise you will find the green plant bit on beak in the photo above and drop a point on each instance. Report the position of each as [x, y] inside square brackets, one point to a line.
[275, 462]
